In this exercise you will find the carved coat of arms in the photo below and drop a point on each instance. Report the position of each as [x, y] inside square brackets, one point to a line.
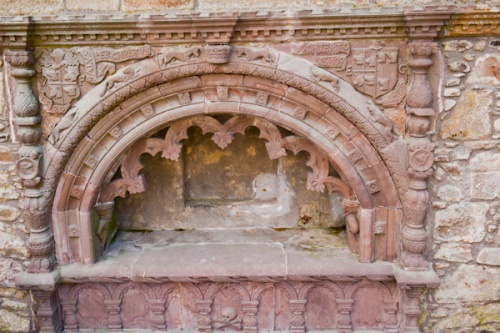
[59, 80]
[374, 70]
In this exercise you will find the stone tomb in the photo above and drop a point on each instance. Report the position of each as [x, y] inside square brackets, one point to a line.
[223, 186]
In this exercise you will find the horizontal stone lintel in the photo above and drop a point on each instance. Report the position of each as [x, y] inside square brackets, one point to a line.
[113, 29]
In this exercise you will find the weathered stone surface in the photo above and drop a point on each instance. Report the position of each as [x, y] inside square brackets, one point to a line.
[449, 103]
[11, 245]
[485, 176]
[9, 268]
[451, 92]
[457, 45]
[459, 66]
[10, 322]
[450, 193]
[7, 190]
[223, 4]
[486, 70]
[470, 117]
[489, 256]
[9, 213]
[461, 222]
[470, 284]
[93, 5]
[496, 125]
[454, 252]
[33, 7]
[140, 5]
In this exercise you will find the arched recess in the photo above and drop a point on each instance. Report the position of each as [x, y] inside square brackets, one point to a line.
[92, 139]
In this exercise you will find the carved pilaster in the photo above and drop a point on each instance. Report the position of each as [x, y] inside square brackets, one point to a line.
[114, 319]
[158, 313]
[344, 308]
[204, 307]
[250, 309]
[70, 317]
[298, 307]
[48, 318]
[420, 112]
[411, 309]
[29, 161]
[391, 318]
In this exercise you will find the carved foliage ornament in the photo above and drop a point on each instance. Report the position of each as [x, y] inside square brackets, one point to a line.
[223, 135]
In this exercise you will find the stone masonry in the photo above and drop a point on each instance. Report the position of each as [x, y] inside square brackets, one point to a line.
[457, 64]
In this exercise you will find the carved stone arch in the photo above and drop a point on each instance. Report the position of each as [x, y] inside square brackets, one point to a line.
[350, 135]
[309, 81]
[123, 288]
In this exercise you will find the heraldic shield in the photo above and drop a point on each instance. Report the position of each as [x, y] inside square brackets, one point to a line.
[374, 70]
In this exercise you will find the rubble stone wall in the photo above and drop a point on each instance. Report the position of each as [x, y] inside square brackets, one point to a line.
[463, 223]
[465, 189]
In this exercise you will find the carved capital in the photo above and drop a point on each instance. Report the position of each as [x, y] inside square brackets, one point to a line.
[19, 58]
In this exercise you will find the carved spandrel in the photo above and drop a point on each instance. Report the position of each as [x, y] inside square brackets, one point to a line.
[65, 74]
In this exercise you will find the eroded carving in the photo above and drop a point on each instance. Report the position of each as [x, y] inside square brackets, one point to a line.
[250, 54]
[331, 55]
[184, 55]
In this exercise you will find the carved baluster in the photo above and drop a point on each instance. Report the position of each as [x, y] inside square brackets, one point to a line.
[391, 319]
[114, 319]
[344, 308]
[298, 307]
[29, 162]
[411, 309]
[70, 317]
[204, 308]
[419, 109]
[48, 314]
[158, 313]
[250, 309]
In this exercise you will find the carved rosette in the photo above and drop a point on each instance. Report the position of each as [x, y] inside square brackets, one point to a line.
[29, 161]
[421, 156]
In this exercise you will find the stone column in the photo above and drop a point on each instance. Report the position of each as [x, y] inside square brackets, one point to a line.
[29, 162]
[420, 112]
[40, 277]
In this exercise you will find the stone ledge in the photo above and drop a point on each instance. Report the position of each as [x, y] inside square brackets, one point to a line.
[230, 255]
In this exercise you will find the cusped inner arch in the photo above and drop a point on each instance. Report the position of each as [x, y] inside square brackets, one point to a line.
[104, 149]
